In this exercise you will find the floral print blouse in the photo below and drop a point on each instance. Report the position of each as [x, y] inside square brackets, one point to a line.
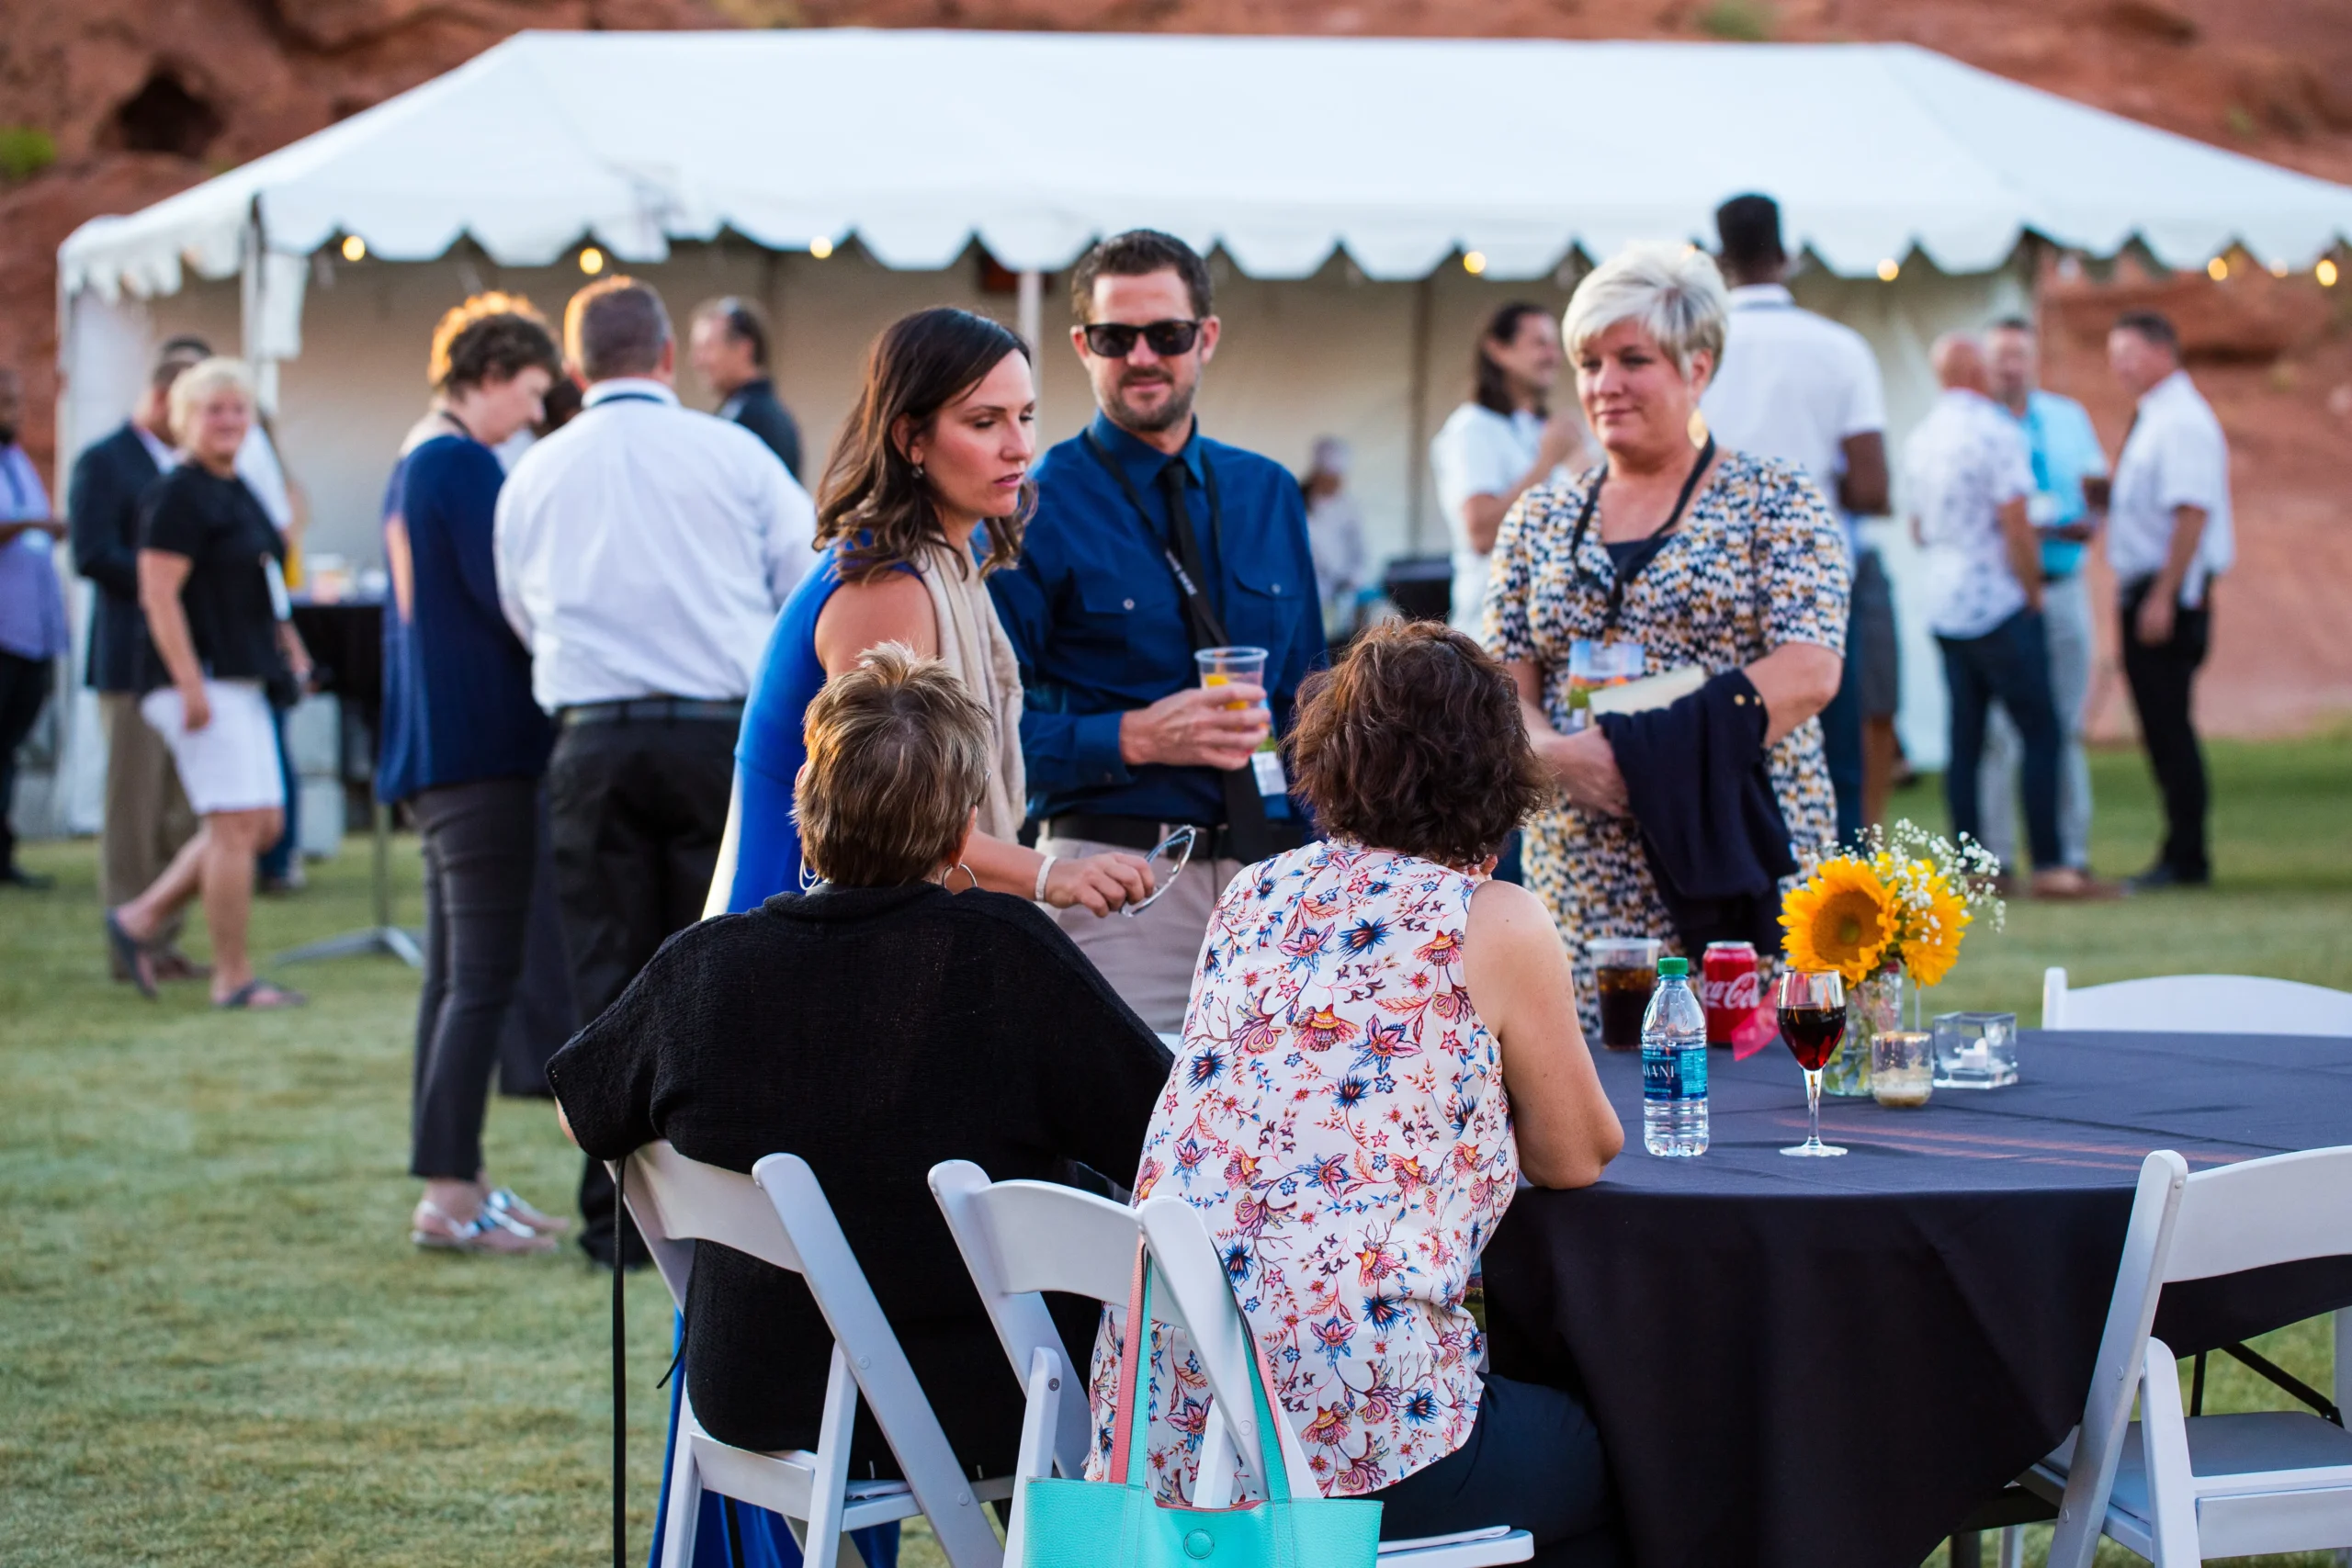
[1758, 561]
[1337, 1112]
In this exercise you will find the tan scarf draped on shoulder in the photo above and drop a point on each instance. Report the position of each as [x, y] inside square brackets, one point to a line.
[972, 643]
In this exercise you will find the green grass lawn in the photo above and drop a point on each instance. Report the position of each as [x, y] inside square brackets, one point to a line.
[215, 1344]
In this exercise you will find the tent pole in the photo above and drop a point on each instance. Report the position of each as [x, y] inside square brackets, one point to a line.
[1417, 399]
[1031, 315]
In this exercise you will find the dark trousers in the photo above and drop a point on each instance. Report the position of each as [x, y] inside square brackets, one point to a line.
[481, 843]
[1841, 745]
[2161, 675]
[277, 863]
[2010, 665]
[1534, 1462]
[540, 1020]
[24, 687]
[636, 811]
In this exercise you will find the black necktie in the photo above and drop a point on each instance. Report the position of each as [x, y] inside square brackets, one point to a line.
[1245, 809]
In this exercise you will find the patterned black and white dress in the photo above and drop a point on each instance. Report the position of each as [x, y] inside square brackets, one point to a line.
[1758, 561]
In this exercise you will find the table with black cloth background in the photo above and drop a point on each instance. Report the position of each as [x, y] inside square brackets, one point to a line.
[1835, 1362]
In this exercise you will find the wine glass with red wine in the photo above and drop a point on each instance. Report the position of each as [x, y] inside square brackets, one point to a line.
[1813, 1020]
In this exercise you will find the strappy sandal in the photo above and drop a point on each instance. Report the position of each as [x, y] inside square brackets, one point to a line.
[433, 1229]
[262, 995]
[505, 1200]
[133, 956]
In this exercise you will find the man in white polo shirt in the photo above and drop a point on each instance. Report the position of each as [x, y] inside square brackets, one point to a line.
[2168, 536]
[642, 551]
[1801, 387]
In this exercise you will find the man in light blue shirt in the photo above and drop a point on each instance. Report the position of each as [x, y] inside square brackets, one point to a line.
[2066, 452]
[32, 612]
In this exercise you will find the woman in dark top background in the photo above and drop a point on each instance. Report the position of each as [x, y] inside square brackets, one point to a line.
[874, 1027]
[464, 745]
[214, 594]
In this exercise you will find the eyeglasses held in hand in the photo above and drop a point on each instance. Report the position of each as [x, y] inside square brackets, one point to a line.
[1167, 862]
[1116, 339]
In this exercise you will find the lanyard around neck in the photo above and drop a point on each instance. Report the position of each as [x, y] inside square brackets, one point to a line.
[1195, 593]
[1655, 536]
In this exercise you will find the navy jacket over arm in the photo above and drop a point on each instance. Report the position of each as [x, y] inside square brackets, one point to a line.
[102, 523]
[1710, 824]
[1098, 623]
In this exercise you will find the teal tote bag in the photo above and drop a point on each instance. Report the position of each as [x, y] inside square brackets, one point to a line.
[1097, 1524]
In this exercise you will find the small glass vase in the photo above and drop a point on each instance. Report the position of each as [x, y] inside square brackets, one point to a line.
[1871, 1008]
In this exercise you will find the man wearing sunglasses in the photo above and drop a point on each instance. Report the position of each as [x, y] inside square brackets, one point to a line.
[1150, 543]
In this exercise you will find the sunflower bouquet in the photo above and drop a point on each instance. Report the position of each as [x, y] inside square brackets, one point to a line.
[1897, 907]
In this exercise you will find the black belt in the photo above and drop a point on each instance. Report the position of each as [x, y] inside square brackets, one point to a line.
[2049, 577]
[1143, 834]
[650, 710]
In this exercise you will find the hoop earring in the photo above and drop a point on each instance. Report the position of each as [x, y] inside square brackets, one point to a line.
[1698, 431]
[810, 879]
[966, 870]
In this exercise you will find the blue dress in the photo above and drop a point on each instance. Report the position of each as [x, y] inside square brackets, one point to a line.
[769, 749]
[768, 754]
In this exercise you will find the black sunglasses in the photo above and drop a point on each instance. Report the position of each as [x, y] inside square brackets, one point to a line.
[1116, 339]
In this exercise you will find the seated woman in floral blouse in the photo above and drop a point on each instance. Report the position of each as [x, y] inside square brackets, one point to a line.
[1380, 1043]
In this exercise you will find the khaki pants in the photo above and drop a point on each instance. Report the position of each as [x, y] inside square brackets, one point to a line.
[1147, 958]
[147, 814]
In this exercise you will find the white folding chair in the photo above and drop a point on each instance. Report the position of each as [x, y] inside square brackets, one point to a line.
[1019, 1238]
[2180, 1489]
[779, 1215]
[2197, 1004]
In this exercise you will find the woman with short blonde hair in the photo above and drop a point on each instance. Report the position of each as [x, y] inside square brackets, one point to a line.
[211, 585]
[1726, 566]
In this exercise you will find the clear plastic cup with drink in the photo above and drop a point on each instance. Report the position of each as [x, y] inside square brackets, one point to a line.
[1235, 667]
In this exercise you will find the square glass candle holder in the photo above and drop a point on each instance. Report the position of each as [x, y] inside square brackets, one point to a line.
[1902, 1067]
[1976, 1050]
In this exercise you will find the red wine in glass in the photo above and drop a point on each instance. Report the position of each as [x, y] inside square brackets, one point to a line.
[1813, 1034]
[1813, 1020]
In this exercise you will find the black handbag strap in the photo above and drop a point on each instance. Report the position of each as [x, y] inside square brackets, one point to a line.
[620, 1398]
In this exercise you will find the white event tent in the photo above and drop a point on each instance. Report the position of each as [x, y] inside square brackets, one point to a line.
[1367, 202]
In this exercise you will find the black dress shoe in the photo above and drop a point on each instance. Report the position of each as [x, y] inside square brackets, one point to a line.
[2160, 876]
[30, 881]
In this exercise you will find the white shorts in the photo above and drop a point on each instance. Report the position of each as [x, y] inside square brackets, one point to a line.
[232, 763]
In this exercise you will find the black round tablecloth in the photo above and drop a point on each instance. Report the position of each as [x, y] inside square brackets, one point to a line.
[1834, 1362]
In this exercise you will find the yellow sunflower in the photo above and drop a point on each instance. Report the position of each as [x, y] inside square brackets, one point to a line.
[1932, 933]
[1842, 920]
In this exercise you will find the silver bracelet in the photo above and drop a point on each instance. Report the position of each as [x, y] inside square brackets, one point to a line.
[1043, 871]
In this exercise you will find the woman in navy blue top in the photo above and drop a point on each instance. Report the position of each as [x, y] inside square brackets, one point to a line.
[464, 745]
[924, 495]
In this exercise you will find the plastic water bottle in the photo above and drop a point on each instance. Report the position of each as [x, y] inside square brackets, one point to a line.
[1674, 1065]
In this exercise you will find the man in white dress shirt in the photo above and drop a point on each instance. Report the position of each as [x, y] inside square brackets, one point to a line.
[643, 552]
[1801, 387]
[2168, 536]
[1967, 475]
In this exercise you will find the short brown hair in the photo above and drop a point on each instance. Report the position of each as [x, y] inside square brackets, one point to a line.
[616, 326]
[2151, 326]
[1413, 742]
[491, 333]
[1139, 252]
[898, 756]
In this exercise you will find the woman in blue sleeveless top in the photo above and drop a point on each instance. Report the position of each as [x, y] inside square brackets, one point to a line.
[925, 493]
[934, 455]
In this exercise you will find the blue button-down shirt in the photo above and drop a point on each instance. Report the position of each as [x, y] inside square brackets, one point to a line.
[32, 601]
[1098, 621]
[2066, 452]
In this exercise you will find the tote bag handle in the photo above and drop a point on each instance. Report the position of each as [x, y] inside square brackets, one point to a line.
[1129, 1443]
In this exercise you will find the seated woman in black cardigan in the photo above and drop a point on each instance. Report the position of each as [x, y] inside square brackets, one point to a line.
[874, 1027]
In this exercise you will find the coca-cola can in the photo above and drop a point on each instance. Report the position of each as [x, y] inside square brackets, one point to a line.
[1729, 987]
